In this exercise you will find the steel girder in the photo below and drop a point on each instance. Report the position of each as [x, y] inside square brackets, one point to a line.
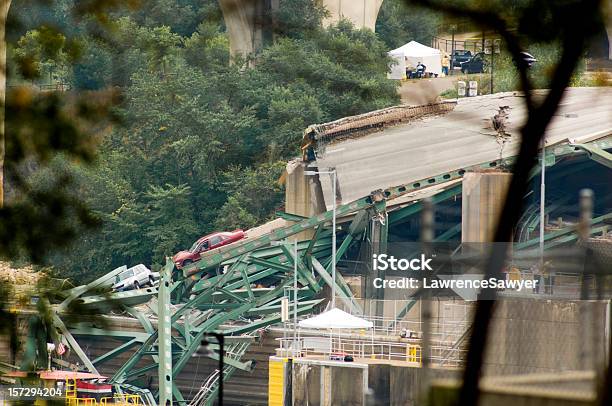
[599, 155]
[566, 234]
[214, 302]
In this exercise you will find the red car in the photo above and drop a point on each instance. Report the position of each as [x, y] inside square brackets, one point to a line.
[206, 243]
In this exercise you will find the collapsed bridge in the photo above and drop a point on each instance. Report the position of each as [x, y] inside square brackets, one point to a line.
[386, 162]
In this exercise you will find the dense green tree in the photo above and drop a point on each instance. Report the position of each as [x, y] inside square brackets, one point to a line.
[181, 16]
[94, 70]
[207, 48]
[202, 143]
[253, 195]
[399, 22]
[298, 18]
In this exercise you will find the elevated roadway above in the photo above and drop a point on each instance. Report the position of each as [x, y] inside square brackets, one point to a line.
[457, 139]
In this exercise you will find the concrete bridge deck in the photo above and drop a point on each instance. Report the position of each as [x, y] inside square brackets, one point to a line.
[460, 138]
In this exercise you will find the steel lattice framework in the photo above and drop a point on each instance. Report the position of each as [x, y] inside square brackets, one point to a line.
[217, 294]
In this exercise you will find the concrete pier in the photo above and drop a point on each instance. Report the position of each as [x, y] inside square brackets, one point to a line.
[249, 22]
[303, 194]
[483, 197]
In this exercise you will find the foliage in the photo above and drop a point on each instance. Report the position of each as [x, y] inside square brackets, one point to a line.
[253, 195]
[298, 18]
[398, 23]
[46, 136]
[180, 16]
[506, 76]
[201, 143]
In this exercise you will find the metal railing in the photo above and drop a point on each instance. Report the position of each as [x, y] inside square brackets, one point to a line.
[121, 400]
[446, 44]
[211, 384]
[367, 348]
[451, 322]
[390, 338]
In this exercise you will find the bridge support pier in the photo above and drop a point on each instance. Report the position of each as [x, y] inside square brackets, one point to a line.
[362, 14]
[303, 194]
[249, 22]
[484, 195]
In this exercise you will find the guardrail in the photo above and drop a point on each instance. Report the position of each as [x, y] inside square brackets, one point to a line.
[444, 331]
[47, 87]
[334, 347]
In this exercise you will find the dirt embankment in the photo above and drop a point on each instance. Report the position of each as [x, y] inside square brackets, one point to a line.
[22, 282]
[26, 276]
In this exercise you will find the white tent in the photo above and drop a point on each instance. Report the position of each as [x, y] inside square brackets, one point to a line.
[413, 53]
[335, 318]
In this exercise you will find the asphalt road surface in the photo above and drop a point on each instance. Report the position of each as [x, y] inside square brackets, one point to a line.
[463, 137]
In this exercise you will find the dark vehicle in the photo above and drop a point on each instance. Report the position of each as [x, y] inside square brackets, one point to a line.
[527, 59]
[341, 356]
[476, 64]
[206, 243]
[461, 56]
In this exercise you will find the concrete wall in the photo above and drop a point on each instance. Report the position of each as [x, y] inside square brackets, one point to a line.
[558, 389]
[527, 336]
[531, 336]
[303, 194]
[328, 383]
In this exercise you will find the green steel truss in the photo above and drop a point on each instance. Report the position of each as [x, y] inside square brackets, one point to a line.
[218, 256]
[597, 154]
[237, 290]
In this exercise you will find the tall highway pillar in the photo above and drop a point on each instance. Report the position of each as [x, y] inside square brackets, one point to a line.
[362, 13]
[484, 195]
[249, 24]
[164, 328]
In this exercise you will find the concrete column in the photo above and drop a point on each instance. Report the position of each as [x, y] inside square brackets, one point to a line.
[248, 24]
[362, 13]
[249, 27]
[303, 194]
[483, 198]
[608, 29]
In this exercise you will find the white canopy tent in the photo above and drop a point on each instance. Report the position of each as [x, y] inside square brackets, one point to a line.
[336, 318]
[412, 53]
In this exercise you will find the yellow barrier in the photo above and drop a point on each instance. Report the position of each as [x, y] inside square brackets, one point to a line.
[126, 400]
[70, 388]
[276, 382]
[81, 401]
[71, 392]
[413, 353]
